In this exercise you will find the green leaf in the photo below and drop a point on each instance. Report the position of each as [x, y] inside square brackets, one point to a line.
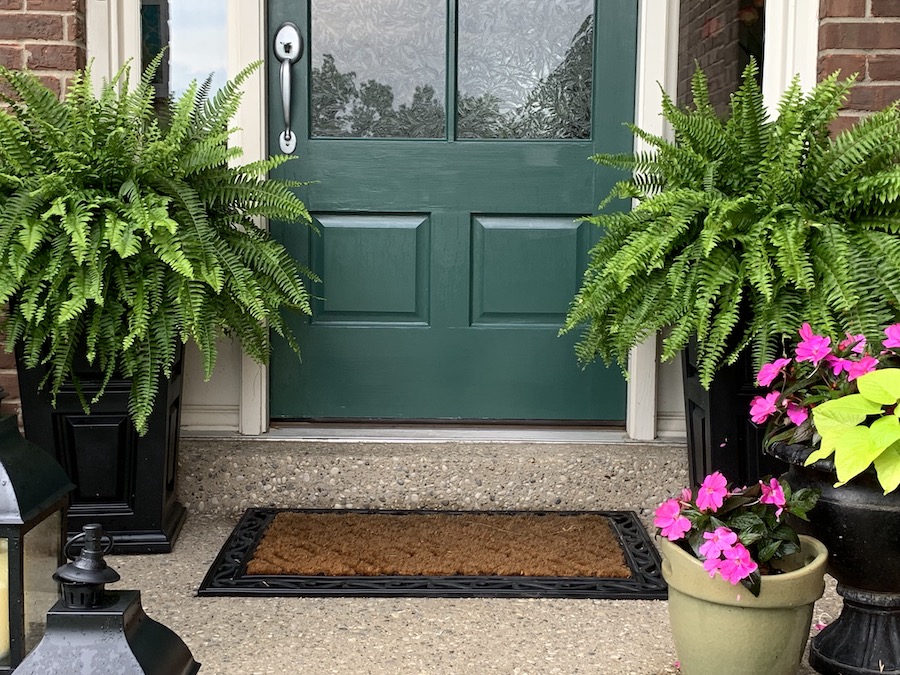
[753, 582]
[881, 386]
[843, 412]
[887, 464]
[855, 451]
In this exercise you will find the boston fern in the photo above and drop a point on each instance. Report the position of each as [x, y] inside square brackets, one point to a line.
[123, 236]
[745, 228]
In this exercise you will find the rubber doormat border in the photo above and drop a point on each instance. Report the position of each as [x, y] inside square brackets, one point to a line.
[227, 575]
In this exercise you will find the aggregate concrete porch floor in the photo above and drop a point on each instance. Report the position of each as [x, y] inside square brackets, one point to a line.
[299, 636]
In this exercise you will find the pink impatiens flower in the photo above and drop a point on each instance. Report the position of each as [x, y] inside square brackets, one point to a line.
[859, 368]
[763, 406]
[711, 565]
[837, 364]
[812, 347]
[773, 494]
[858, 342]
[797, 414]
[718, 540]
[672, 524]
[737, 564]
[893, 336]
[770, 371]
[712, 492]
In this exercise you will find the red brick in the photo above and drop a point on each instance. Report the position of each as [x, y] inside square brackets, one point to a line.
[884, 67]
[885, 7]
[31, 26]
[12, 56]
[10, 384]
[75, 28]
[52, 5]
[829, 8]
[846, 63]
[873, 35]
[7, 359]
[843, 122]
[11, 4]
[51, 82]
[55, 57]
[872, 97]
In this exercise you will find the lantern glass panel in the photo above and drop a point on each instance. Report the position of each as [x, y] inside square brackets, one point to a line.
[42, 557]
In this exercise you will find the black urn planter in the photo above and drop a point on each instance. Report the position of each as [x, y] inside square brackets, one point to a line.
[720, 435]
[860, 526]
[124, 481]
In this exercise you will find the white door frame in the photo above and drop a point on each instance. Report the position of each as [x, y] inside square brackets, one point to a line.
[113, 33]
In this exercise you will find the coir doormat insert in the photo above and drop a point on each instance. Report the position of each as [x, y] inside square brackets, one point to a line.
[349, 552]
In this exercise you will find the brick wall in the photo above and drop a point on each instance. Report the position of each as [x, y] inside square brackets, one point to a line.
[861, 36]
[720, 36]
[47, 37]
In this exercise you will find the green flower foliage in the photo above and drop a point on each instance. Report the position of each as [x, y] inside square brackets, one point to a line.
[122, 236]
[745, 228]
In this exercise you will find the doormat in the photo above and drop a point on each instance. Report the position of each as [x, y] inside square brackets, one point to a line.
[354, 552]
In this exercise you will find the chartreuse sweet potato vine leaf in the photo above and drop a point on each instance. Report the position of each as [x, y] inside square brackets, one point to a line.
[863, 430]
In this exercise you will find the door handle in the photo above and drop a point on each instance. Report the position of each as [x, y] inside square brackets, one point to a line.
[288, 49]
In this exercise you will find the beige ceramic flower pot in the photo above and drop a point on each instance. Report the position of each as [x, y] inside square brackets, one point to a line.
[722, 628]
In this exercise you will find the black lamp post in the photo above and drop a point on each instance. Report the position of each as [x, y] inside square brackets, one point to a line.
[34, 493]
[93, 632]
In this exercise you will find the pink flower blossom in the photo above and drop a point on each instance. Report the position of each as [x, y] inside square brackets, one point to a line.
[773, 494]
[812, 347]
[770, 371]
[763, 406]
[858, 342]
[712, 492]
[718, 540]
[859, 368]
[737, 564]
[711, 565]
[837, 364]
[686, 495]
[893, 336]
[797, 414]
[672, 524]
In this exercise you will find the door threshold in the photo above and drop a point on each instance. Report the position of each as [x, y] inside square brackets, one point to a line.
[435, 434]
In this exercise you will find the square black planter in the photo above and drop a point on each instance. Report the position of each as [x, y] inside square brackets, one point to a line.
[720, 435]
[124, 481]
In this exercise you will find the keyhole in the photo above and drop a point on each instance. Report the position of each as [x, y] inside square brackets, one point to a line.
[288, 47]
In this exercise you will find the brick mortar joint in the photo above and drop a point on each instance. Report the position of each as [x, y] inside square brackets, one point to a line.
[852, 51]
[859, 20]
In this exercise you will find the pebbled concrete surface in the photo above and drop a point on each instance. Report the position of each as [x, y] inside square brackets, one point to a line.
[299, 636]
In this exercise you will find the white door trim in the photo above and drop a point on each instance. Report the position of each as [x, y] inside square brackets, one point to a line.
[657, 66]
[791, 47]
[113, 32]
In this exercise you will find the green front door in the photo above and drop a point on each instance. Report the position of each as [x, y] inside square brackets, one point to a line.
[449, 142]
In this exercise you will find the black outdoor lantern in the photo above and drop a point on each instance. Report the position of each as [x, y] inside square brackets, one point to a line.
[94, 632]
[34, 492]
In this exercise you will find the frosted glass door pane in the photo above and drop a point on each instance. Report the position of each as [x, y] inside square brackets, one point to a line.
[525, 68]
[378, 68]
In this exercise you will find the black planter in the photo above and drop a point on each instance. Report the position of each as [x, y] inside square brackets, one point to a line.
[720, 435]
[125, 482]
[860, 526]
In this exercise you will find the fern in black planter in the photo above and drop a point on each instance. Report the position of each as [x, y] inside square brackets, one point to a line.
[745, 228]
[122, 237]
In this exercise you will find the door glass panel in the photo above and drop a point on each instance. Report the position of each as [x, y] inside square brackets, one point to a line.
[525, 68]
[378, 68]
